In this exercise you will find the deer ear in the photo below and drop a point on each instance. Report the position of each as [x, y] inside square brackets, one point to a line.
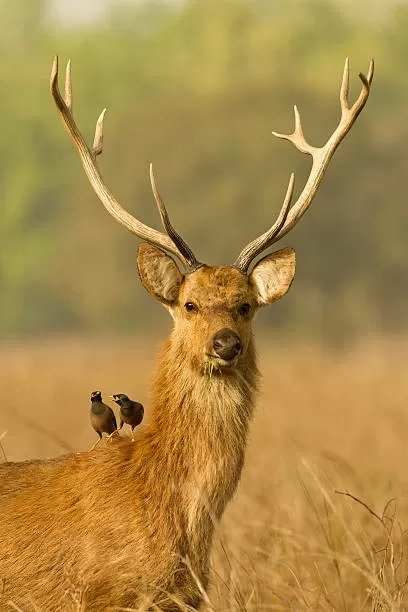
[273, 275]
[159, 273]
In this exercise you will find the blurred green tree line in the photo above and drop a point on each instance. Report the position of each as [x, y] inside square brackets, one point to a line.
[197, 88]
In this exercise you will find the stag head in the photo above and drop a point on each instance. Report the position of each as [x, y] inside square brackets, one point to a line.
[213, 307]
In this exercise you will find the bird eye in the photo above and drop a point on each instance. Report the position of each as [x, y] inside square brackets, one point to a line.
[190, 307]
[244, 309]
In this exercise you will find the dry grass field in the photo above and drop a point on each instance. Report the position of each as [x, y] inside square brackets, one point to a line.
[319, 521]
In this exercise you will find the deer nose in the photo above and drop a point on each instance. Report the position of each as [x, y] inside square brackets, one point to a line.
[226, 344]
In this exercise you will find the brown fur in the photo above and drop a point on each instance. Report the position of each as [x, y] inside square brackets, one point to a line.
[132, 524]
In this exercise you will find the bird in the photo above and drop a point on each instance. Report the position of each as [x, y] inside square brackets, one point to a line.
[131, 412]
[103, 418]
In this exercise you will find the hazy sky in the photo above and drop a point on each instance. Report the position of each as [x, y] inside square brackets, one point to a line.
[74, 11]
[83, 11]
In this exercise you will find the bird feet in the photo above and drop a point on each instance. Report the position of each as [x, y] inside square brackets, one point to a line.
[112, 435]
[95, 445]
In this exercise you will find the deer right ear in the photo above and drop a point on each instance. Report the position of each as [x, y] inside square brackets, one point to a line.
[273, 275]
[159, 273]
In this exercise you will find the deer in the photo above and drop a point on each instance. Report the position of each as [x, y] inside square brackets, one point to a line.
[131, 525]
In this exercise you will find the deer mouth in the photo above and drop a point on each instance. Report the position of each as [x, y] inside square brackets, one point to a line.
[214, 363]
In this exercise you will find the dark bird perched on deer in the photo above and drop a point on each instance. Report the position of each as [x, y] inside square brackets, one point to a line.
[103, 418]
[131, 412]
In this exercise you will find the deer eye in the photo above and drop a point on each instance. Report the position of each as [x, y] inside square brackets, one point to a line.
[244, 309]
[190, 307]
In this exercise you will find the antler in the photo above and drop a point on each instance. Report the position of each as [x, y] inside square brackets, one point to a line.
[321, 156]
[171, 242]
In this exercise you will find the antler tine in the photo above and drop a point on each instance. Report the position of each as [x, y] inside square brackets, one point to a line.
[320, 155]
[258, 245]
[344, 89]
[97, 146]
[297, 137]
[88, 159]
[365, 90]
[182, 246]
[68, 86]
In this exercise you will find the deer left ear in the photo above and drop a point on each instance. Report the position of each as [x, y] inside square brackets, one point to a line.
[273, 275]
[159, 273]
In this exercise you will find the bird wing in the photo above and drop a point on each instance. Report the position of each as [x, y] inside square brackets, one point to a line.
[113, 419]
[139, 412]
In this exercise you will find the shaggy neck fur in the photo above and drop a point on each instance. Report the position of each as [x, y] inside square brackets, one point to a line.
[202, 423]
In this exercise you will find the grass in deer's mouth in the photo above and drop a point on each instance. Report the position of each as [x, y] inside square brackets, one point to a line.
[215, 364]
[211, 365]
[208, 369]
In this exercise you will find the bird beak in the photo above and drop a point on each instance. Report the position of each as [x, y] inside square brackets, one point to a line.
[112, 397]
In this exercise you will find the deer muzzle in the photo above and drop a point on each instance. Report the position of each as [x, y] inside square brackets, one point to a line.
[226, 344]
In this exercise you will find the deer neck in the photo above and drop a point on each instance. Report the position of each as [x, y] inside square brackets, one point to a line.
[202, 422]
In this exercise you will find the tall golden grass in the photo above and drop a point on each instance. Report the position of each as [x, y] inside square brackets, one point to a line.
[319, 521]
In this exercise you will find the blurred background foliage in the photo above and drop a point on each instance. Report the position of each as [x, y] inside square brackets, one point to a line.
[197, 87]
